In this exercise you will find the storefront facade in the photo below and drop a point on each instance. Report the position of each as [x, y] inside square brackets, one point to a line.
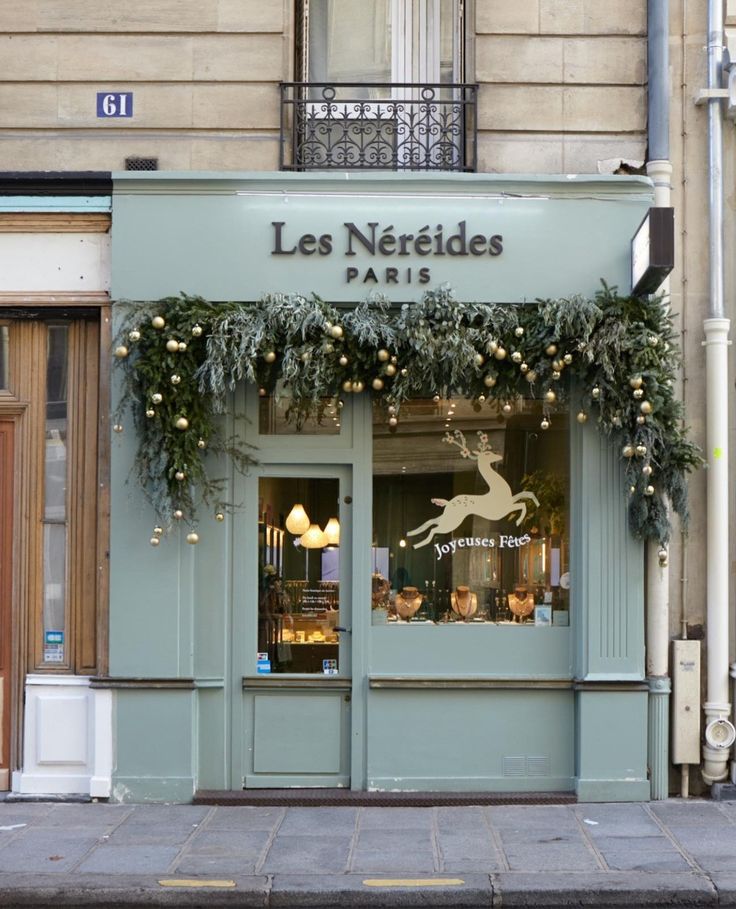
[410, 626]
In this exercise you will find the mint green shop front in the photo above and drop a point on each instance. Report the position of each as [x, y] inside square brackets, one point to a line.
[425, 706]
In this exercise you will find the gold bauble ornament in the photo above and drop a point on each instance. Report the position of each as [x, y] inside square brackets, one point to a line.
[336, 331]
[180, 475]
[306, 356]
[531, 376]
[404, 372]
[551, 350]
[582, 417]
[358, 386]
[645, 407]
[377, 384]
[394, 359]
[219, 516]
[549, 396]
[649, 491]
[636, 381]
[393, 421]
[383, 355]
[182, 346]
[196, 331]
[479, 359]
[567, 359]
[647, 470]
[628, 451]
[519, 331]
[192, 538]
[343, 361]
[157, 398]
[262, 392]
[178, 514]
[158, 531]
[641, 419]
[481, 398]
[121, 352]
[492, 347]
[158, 322]
[175, 379]
[182, 423]
[524, 368]
[641, 450]
[201, 443]
[347, 385]
[545, 423]
[390, 369]
[490, 381]
[172, 345]
[150, 413]
[507, 408]
[500, 353]
[558, 365]
[134, 335]
[391, 408]
[638, 393]
[436, 399]
[117, 427]
[155, 541]
[270, 356]
[652, 340]
[556, 375]
[595, 393]
[516, 357]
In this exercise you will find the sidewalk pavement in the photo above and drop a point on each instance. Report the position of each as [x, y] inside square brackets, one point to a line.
[671, 853]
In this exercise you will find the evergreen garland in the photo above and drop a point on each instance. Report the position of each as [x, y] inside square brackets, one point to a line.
[619, 354]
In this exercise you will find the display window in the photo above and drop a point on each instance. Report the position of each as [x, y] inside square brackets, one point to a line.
[276, 416]
[471, 514]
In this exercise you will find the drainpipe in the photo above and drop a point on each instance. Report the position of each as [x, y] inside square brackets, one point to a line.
[719, 730]
[659, 170]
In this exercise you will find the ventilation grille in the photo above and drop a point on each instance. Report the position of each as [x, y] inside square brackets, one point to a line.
[526, 765]
[141, 163]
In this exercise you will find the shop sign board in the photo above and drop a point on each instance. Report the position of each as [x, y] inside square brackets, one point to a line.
[491, 239]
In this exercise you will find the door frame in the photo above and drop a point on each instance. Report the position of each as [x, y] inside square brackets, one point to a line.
[247, 686]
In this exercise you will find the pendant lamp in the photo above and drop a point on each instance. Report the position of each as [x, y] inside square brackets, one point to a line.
[313, 538]
[332, 532]
[297, 521]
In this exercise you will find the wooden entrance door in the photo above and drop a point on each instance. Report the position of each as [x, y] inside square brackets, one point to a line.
[7, 428]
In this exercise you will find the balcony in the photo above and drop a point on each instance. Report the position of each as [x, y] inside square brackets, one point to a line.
[378, 126]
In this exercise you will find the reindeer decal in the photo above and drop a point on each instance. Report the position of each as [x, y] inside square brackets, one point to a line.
[495, 504]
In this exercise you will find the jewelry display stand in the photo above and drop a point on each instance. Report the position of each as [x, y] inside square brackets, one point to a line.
[407, 602]
[463, 602]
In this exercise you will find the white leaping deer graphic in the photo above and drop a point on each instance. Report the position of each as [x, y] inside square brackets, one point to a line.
[495, 504]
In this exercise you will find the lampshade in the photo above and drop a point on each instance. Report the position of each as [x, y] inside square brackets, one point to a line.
[297, 521]
[313, 538]
[332, 532]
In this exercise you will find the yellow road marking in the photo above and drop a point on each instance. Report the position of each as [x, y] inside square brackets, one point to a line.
[183, 882]
[414, 882]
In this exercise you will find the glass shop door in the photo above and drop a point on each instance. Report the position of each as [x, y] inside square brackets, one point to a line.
[297, 696]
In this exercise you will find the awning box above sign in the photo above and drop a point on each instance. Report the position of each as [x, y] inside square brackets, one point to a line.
[653, 250]
[493, 239]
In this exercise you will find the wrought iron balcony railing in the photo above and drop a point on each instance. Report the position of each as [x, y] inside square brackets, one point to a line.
[378, 126]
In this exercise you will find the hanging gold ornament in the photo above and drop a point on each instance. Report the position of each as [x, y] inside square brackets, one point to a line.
[492, 347]
[192, 538]
[182, 423]
[155, 541]
[500, 353]
[519, 331]
[201, 443]
[404, 372]
[196, 331]
[383, 355]
[134, 335]
[377, 384]
[545, 423]
[390, 369]
[636, 381]
[645, 407]
[647, 470]
[343, 361]
[262, 393]
[156, 398]
[595, 393]
[516, 356]
[182, 346]
[117, 427]
[507, 408]
[531, 376]
[436, 399]
[158, 531]
[121, 352]
[175, 379]
[391, 408]
[641, 450]
[158, 322]
[549, 396]
[551, 350]
[150, 413]
[172, 345]
[649, 491]
[652, 340]
[393, 421]
[479, 359]
[490, 381]
[270, 356]
[481, 398]
[641, 419]
[582, 417]
[638, 393]
[180, 475]
[178, 514]
[347, 385]
[358, 386]
[556, 375]
[558, 365]
[219, 516]
[567, 359]
[336, 331]
[628, 451]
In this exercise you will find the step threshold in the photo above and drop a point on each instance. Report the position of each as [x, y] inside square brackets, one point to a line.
[357, 798]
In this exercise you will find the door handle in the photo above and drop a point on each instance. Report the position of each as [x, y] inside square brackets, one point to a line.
[346, 630]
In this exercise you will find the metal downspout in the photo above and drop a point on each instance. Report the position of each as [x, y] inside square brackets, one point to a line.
[719, 729]
[659, 170]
